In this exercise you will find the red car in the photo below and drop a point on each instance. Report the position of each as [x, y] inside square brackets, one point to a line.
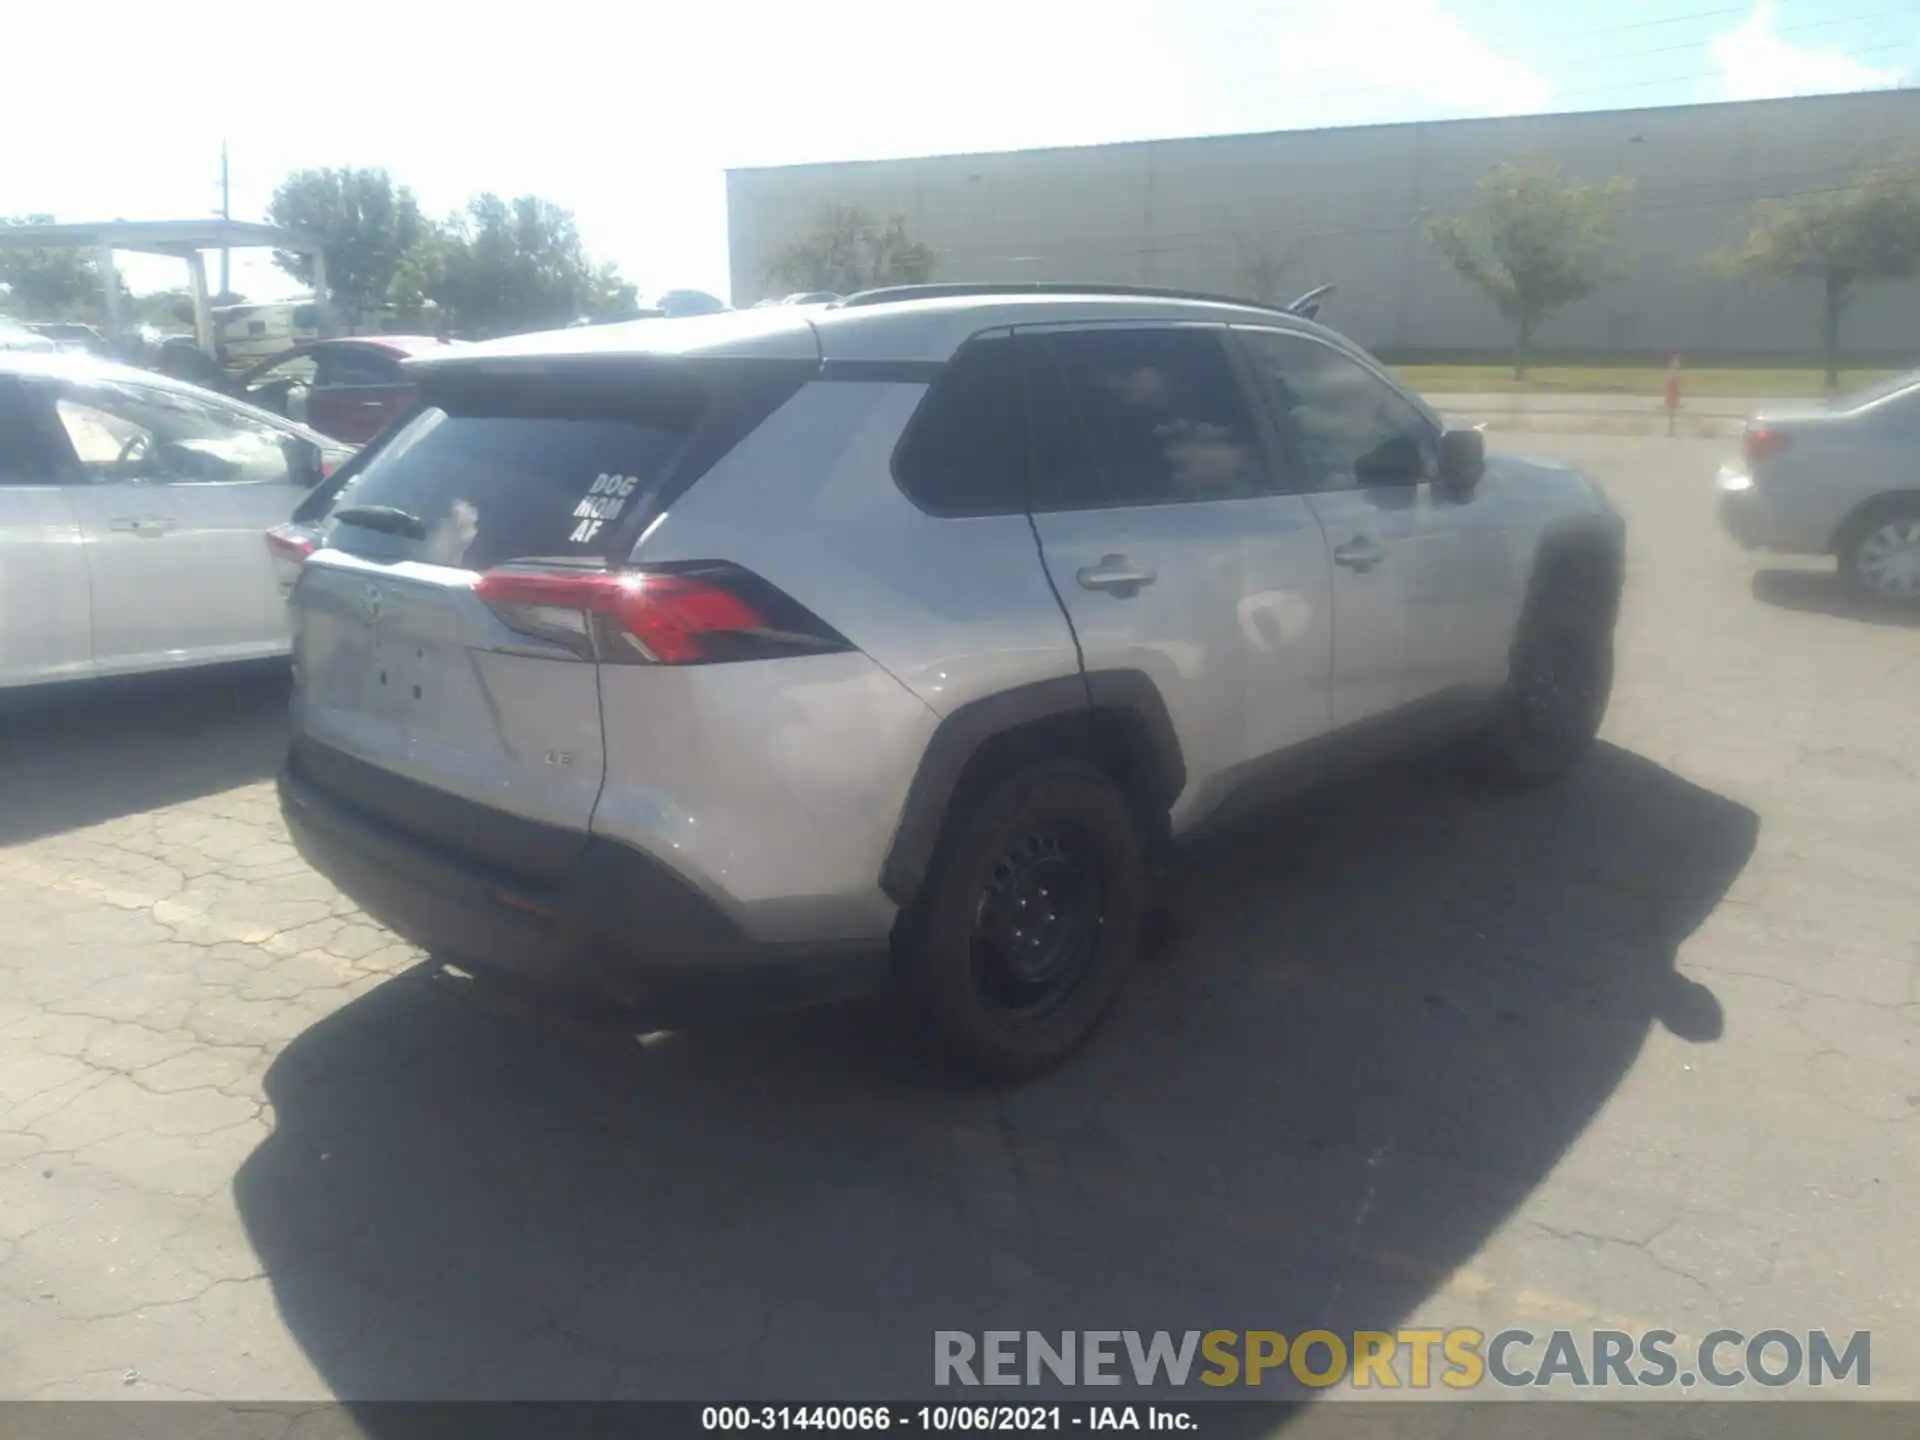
[350, 389]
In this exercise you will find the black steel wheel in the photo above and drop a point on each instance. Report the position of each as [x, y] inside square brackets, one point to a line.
[1037, 926]
[1029, 920]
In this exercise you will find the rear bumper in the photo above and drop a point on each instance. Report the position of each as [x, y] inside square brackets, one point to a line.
[1743, 510]
[616, 926]
[1743, 519]
[1788, 520]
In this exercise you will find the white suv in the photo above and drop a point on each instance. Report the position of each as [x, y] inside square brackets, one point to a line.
[778, 653]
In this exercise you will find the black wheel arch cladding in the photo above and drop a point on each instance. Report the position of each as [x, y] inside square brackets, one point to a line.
[1116, 718]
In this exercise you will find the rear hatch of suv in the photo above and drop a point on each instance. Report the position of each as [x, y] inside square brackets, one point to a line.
[448, 634]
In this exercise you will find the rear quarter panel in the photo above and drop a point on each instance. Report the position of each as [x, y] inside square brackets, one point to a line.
[773, 787]
[1832, 465]
[777, 786]
[955, 609]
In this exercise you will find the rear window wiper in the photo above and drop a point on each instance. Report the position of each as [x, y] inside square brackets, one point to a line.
[385, 518]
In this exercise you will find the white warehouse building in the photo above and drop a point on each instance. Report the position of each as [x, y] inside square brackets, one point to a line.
[1269, 216]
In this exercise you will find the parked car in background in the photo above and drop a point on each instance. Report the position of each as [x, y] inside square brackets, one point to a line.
[1840, 480]
[799, 297]
[675, 303]
[17, 337]
[131, 511]
[349, 389]
[253, 331]
[777, 652]
[71, 335]
[617, 317]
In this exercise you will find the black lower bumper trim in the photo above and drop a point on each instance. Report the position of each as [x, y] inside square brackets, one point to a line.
[616, 925]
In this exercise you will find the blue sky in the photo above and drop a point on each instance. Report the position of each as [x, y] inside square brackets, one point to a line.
[629, 115]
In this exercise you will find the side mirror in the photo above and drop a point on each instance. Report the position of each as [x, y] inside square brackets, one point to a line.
[1463, 458]
[306, 466]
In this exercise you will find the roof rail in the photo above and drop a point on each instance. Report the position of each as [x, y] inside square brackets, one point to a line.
[893, 294]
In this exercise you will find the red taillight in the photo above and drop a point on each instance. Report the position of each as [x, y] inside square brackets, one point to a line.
[288, 542]
[669, 618]
[1763, 441]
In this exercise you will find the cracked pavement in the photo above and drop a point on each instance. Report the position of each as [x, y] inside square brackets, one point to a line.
[1641, 1051]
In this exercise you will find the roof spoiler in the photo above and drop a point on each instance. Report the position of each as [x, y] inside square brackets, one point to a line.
[1308, 305]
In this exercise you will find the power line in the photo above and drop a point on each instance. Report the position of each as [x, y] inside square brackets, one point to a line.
[1712, 74]
[1826, 24]
[1621, 56]
[1587, 33]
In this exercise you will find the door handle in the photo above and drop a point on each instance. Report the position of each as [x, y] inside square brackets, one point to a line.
[1116, 574]
[1359, 554]
[150, 526]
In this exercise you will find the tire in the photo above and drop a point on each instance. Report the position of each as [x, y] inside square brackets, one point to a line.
[1550, 712]
[1008, 995]
[1880, 556]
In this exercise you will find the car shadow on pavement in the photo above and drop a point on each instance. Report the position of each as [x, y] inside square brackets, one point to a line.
[1385, 1015]
[1823, 592]
[78, 755]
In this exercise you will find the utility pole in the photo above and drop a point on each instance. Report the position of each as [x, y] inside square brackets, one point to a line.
[226, 213]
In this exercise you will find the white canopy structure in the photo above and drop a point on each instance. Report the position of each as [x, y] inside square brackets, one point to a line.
[182, 239]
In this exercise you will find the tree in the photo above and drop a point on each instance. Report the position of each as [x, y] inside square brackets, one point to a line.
[165, 309]
[1845, 236]
[56, 283]
[507, 266]
[1264, 264]
[366, 226]
[1535, 242]
[850, 249]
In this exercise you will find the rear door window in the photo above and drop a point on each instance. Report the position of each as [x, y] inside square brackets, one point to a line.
[1151, 416]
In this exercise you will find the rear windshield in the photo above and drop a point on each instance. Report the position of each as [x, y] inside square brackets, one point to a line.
[488, 489]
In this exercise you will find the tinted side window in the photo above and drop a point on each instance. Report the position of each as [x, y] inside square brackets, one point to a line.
[1140, 417]
[965, 451]
[356, 367]
[1350, 427]
[26, 456]
[120, 432]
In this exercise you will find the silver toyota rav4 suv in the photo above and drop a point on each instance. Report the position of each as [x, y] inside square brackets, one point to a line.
[780, 653]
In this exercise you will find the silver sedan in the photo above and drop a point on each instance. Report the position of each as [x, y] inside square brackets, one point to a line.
[1842, 480]
[133, 511]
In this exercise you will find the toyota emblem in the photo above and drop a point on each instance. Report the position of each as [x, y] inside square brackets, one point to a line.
[371, 602]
